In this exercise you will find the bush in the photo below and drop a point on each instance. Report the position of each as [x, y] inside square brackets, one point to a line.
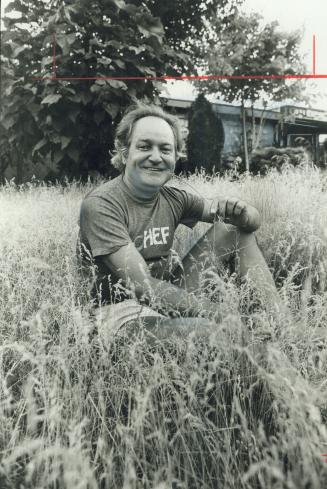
[205, 138]
[264, 159]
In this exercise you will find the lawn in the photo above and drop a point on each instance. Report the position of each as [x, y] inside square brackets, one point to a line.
[228, 409]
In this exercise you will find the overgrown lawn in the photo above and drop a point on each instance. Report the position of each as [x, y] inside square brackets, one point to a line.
[227, 409]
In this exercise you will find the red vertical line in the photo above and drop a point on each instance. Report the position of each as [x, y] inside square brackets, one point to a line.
[314, 53]
[54, 55]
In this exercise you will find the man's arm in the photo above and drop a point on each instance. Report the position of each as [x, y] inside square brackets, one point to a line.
[232, 211]
[129, 265]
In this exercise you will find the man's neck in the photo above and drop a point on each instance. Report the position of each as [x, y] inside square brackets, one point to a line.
[138, 193]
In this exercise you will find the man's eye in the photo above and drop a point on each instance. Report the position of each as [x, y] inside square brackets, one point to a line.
[144, 147]
[166, 151]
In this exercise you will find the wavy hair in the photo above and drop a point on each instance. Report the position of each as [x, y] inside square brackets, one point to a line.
[125, 128]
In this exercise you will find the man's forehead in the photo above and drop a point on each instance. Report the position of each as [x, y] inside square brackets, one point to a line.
[151, 126]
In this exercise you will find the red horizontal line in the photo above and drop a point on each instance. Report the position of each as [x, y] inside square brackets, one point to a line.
[202, 77]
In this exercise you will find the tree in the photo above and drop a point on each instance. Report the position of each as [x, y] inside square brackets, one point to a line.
[247, 47]
[206, 136]
[186, 22]
[70, 123]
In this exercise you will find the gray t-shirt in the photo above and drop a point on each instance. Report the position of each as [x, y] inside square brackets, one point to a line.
[111, 217]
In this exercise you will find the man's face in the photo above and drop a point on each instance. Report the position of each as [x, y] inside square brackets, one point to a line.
[151, 155]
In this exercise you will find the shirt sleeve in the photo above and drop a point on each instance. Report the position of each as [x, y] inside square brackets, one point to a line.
[102, 224]
[189, 206]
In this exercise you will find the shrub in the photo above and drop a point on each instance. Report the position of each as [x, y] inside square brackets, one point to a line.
[205, 138]
[264, 159]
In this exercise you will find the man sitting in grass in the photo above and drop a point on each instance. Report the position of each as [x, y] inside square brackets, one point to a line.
[127, 228]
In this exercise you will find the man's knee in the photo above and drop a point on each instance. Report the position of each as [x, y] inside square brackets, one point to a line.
[230, 240]
[224, 234]
[230, 237]
[245, 238]
[223, 239]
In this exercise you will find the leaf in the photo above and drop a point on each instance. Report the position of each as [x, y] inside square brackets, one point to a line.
[58, 156]
[71, 38]
[148, 71]
[34, 110]
[16, 5]
[96, 42]
[120, 63]
[132, 10]
[95, 88]
[8, 90]
[112, 109]
[120, 4]
[65, 141]
[72, 114]
[117, 84]
[8, 122]
[39, 145]
[73, 153]
[85, 97]
[19, 50]
[46, 60]
[51, 99]
[70, 90]
[104, 61]
[8, 36]
[150, 26]
[115, 44]
[138, 49]
[90, 56]
[55, 138]
[9, 22]
[67, 10]
[65, 41]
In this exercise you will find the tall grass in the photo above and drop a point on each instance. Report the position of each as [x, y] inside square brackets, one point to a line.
[225, 409]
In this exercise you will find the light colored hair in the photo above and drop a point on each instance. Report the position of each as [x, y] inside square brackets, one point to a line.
[125, 128]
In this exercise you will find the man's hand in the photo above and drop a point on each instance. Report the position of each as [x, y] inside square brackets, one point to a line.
[239, 213]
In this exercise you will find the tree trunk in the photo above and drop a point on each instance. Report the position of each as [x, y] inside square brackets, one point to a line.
[254, 135]
[260, 130]
[245, 139]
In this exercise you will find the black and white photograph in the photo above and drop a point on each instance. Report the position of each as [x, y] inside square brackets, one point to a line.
[163, 244]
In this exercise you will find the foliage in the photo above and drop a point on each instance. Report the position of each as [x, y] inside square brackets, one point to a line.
[81, 408]
[205, 139]
[247, 47]
[186, 22]
[264, 159]
[69, 124]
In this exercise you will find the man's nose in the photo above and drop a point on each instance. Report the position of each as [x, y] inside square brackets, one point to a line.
[155, 155]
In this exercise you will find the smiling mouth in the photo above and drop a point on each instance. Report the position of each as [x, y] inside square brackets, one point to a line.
[154, 169]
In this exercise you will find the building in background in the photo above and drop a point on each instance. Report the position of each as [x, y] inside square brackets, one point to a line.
[288, 126]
